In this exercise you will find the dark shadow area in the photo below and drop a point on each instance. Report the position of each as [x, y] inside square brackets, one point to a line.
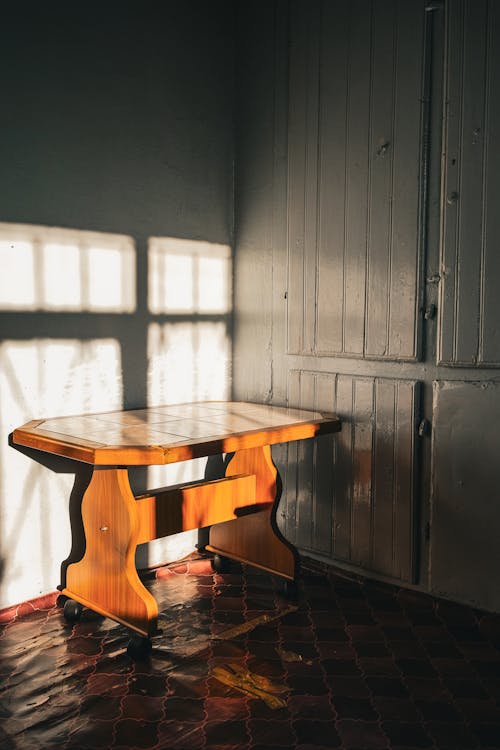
[215, 468]
[83, 476]
[57, 464]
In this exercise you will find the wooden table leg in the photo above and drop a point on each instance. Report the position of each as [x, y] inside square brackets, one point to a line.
[255, 538]
[106, 579]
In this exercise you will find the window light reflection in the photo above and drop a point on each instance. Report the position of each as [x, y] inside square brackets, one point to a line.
[187, 362]
[49, 268]
[111, 277]
[188, 276]
[45, 377]
[40, 378]
[17, 280]
[61, 276]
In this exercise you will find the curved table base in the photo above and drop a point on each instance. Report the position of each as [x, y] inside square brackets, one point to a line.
[106, 579]
[255, 538]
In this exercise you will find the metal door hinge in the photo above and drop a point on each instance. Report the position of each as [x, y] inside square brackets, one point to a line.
[424, 428]
[430, 312]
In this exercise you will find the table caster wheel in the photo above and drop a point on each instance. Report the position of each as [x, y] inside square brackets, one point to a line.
[221, 564]
[139, 647]
[72, 610]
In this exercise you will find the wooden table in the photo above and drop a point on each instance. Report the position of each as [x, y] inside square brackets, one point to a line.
[240, 508]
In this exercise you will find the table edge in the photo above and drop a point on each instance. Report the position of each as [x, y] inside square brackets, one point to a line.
[149, 455]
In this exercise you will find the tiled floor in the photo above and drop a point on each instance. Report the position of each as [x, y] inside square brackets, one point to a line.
[364, 665]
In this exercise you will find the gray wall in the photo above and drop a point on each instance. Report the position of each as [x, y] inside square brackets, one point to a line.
[366, 246]
[116, 120]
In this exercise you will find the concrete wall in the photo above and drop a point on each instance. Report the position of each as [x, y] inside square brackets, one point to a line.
[366, 277]
[116, 128]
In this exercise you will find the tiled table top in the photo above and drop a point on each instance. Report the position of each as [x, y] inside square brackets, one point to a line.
[161, 434]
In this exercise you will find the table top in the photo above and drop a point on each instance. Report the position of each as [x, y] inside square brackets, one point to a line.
[167, 434]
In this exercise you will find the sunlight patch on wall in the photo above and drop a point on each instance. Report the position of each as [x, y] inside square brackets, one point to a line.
[188, 276]
[43, 378]
[46, 377]
[49, 268]
[185, 471]
[35, 534]
[188, 359]
[188, 362]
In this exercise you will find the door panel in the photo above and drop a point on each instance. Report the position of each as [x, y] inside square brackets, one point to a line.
[355, 152]
[355, 491]
[465, 554]
[470, 264]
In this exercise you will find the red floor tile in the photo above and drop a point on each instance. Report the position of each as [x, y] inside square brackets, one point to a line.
[364, 665]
